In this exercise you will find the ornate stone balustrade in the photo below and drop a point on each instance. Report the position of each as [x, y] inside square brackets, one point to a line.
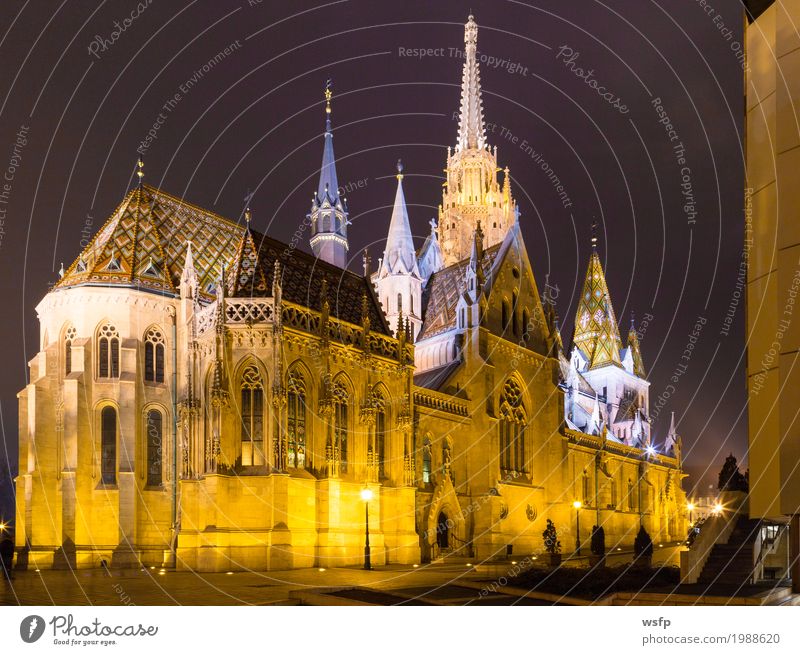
[440, 401]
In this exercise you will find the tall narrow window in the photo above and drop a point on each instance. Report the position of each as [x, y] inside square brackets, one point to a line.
[108, 445]
[505, 314]
[380, 435]
[526, 328]
[69, 337]
[154, 428]
[515, 314]
[587, 498]
[340, 399]
[154, 355]
[296, 427]
[512, 429]
[252, 417]
[399, 302]
[426, 460]
[108, 352]
[630, 495]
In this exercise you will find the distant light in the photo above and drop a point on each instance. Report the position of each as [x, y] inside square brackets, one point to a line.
[468, 564]
[321, 569]
[229, 573]
[162, 573]
[416, 566]
[619, 548]
[153, 568]
[718, 508]
[513, 562]
[577, 504]
[366, 495]
[534, 557]
[660, 545]
[650, 450]
[690, 507]
[3, 526]
[37, 570]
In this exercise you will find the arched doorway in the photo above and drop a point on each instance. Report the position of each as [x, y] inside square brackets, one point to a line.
[442, 531]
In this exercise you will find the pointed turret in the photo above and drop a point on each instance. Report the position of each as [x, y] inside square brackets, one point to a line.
[246, 277]
[596, 331]
[474, 271]
[672, 437]
[471, 128]
[398, 282]
[399, 257]
[430, 255]
[328, 215]
[189, 279]
[635, 351]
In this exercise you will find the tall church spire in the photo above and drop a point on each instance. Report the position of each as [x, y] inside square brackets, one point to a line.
[328, 215]
[398, 281]
[471, 129]
[596, 331]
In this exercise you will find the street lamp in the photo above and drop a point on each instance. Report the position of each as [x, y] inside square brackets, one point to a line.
[690, 507]
[718, 508]
[577, 505]
[366, 496]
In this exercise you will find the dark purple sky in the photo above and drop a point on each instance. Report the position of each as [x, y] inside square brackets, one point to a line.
[254, 119]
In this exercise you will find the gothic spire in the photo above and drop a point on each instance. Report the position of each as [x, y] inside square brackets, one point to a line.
[471, 128]
[328, 215]
[399, 257]
[596, 331]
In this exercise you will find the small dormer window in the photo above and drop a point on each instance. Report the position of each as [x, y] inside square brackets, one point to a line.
[151, 270]
[81, 267]
[113, 264]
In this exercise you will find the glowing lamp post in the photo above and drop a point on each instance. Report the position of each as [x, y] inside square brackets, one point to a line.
[366, 496]
[577, 505]
[690, 507]
[718, 509]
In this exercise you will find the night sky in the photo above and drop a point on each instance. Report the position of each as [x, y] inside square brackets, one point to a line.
[658, 163]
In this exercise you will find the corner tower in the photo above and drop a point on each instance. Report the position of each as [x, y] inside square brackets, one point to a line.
[328, 215]
[472, 192]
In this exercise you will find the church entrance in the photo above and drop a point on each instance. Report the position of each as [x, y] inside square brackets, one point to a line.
[442, 531]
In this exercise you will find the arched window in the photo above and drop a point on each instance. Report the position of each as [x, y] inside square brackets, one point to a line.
[69, 337]
[630, 495]
[515, 314]
[296, 427]
[108, 445]
[399, 302]
[411, 304]
[154, 355]
[587, 497]
[340, 425]
[380, 434]
[252, 417]
[154, 441]
[108, 352]
[512, 429]
[426, 460]
[505, 312]
[526, 327]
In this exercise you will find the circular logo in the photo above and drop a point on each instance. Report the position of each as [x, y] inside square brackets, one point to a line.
[31, 628]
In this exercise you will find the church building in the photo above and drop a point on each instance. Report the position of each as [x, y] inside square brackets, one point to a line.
[209, 398]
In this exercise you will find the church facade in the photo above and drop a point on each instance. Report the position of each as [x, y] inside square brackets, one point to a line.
[207, 397]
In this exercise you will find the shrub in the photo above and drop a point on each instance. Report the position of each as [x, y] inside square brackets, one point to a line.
[598, 541]
[643, 544]
[550, 536]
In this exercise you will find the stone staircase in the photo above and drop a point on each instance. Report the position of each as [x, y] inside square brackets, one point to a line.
[732, 563]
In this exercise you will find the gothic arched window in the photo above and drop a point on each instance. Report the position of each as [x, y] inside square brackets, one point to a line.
[526, 328]
[505, 312]
[340, 426]
[380, 434]
[108, 352]
[587, 496]
[252, 417]
[512, 429]
[426, 460]
[154, 355]
[108, 445]
[399, 302]
[154, 441]
[515, 314]
[69, 337]
[296, 426]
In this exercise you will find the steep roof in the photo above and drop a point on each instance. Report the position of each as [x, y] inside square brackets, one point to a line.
[596, 331]
[151, 224]
[443, 290]
[399, 256]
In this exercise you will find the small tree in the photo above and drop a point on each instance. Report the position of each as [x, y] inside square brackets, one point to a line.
[730, 478]
[551, 543]
[643, 545]
[598, 541]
